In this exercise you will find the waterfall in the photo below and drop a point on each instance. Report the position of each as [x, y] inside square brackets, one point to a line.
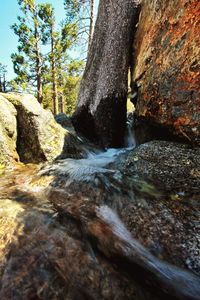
[130, 141]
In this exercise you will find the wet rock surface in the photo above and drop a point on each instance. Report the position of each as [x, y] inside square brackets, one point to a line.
[172, 167]
[70, 242]
[169, 226]
[166, 68]
[46, 256]
[151, 192]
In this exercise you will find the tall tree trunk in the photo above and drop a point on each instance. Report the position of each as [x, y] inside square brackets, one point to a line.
[1, 85]
[62, 104]
[53, 66]
[101, 108]
[4, 82]
[38, 59]
[91, 31]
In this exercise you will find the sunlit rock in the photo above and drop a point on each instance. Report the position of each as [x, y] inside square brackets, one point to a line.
[8, 133]
[40, 138]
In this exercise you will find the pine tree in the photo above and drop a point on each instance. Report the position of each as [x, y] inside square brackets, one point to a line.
[83, 12]
[60, 41]
[28, 62]
[49, 73]
[47, 15]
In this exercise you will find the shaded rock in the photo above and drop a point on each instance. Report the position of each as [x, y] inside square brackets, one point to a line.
[40, 138]
[166, 68]
[8, 132]
[64, 121]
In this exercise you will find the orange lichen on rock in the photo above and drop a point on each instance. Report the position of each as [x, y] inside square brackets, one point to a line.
[166, 65]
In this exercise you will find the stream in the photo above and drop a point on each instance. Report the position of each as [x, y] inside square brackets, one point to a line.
[86, 229]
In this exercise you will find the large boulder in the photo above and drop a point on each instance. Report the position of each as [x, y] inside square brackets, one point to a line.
[40, 137]
[166, 68]
[8, 133]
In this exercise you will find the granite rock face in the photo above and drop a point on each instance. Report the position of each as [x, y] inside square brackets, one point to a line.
[40, 138]
[166, 67]
[8, 133]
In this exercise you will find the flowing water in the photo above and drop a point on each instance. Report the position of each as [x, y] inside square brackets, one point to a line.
[63, 224]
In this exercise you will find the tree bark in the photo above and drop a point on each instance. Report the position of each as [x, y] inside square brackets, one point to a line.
[101, 108]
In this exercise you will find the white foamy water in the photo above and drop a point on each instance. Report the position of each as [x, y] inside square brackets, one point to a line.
[96, 163]
[110, 217]
[83, 169]
[130, 141]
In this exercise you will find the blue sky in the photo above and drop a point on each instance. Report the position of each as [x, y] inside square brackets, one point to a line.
[8, 16]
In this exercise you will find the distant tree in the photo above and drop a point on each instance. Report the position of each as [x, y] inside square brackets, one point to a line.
[28, 62]
[61, 40]
[47, 16]
[48, 72]
[3, 82]
[71, 83]
[83, 12]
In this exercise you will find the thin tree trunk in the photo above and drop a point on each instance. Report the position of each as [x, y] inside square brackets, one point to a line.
[39, 76]
[53, 66]
[101, 108]
[1, 85]
[62, 104]
[38, 60]
[4, 82]
[91, 31]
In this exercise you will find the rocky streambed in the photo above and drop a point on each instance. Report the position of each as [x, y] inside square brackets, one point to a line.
[119, 224]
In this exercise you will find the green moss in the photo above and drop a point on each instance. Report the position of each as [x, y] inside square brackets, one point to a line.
[14, 99]
[145, 188]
